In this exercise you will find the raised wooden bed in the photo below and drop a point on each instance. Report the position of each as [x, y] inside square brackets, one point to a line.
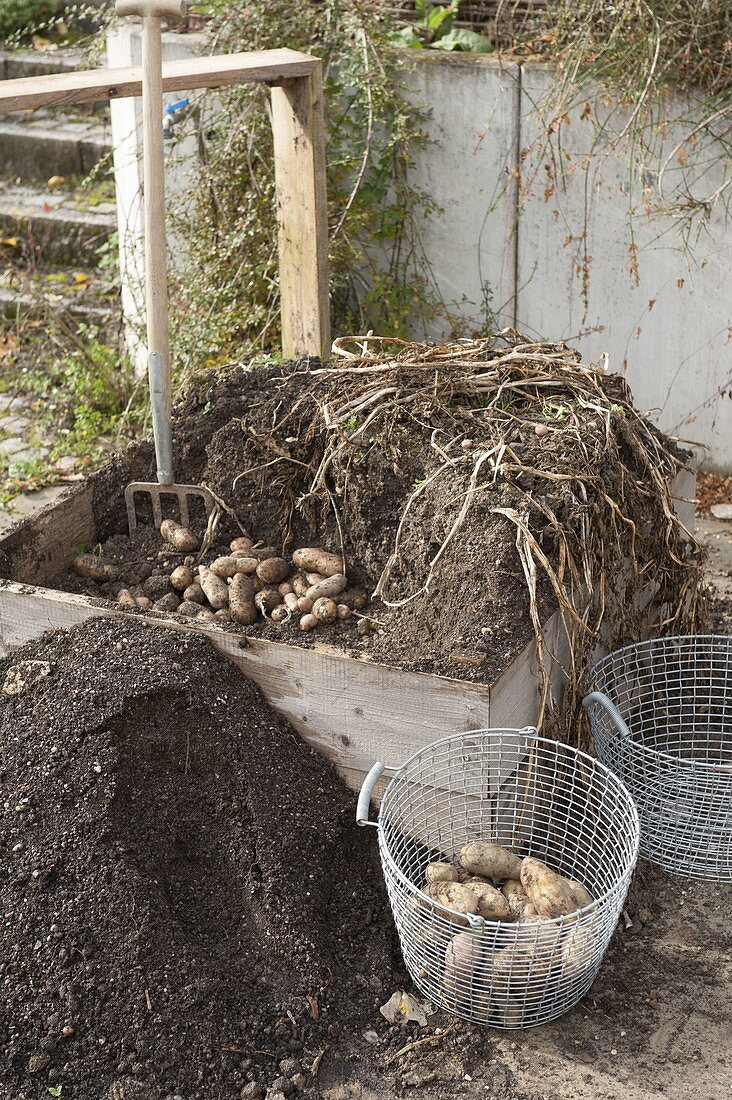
[354, 711]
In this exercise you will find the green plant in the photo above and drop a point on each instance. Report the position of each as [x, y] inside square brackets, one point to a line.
[434, 28]
[56, 19]
[82, 395]
[226, 300]
[19, 16]
[55, 1090]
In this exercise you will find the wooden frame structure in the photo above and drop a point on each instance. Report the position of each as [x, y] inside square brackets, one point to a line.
[299, 157]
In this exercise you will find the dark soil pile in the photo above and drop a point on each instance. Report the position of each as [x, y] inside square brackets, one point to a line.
[493, 481]
[186, 899]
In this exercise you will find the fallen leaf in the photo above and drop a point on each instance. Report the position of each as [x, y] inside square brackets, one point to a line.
[43, 44]
[314, 1010]
[24, 675]
[56, 181]
[8, 344]
[11, 242]
[402, 1007]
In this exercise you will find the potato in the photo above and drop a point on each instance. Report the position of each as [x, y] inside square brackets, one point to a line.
[284, 588]
[355, 598]
[308, 622]
[178, 536]
[313, 578]
[261, 553]
[467, 974]
[315, 560]
[299, 584]
[125, 597]
[440, 872]
[245, 564]
[205, 615]
[518, 900]
[343, 612]
[272, 570]
[468, 879]
[267, 599]
[242, 544]
[167, 603]
[579, 953]
[291, 603]
[280, 614]
[241, 600]
[93, 568]
[181, 578]
[485, 857]
[304, 604]
[328, 586]
[189, 608]
[516, 964]
[156, 586]
[215, 590]
[492, 905]
[224, 568]
[223, 615]
[550, 893]
[143, 601]
[325, 610]
[453, 896]
[195, 593]
[581, 895]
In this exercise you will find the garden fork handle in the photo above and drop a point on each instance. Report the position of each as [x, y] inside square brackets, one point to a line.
[156, 285]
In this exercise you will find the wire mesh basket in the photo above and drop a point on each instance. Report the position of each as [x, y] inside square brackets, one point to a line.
[661, 719]
[536, 797]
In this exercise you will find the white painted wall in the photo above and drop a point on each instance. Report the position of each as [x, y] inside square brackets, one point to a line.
[675, 353]
[468, 169]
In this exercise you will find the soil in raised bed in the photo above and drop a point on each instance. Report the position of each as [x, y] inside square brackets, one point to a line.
[186, 898]
[256, 436]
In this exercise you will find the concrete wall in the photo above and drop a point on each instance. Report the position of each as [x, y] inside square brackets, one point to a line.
[554, 254]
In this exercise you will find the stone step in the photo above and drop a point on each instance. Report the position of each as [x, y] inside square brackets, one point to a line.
[17, 64]
[20, 64]
[19, 305]
[41, 146]
[55, 227]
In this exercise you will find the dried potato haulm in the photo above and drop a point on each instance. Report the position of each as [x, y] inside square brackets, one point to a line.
[477, 487]
[501, 477]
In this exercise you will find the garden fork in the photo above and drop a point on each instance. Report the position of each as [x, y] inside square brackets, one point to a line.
[156, 288]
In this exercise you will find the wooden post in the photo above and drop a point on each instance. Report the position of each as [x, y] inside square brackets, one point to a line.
[299, 153]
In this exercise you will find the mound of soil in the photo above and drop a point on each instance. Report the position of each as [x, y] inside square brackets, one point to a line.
[186, 899]
[453, 489]
[477, 617]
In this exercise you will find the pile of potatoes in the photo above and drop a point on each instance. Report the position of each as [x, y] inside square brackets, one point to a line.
[482, 977]
[248, 582]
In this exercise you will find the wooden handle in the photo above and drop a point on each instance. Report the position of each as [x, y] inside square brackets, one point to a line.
[168, 9]
[156, 287]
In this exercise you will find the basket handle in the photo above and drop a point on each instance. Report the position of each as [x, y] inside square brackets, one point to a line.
[610, 709]
[364, 796]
